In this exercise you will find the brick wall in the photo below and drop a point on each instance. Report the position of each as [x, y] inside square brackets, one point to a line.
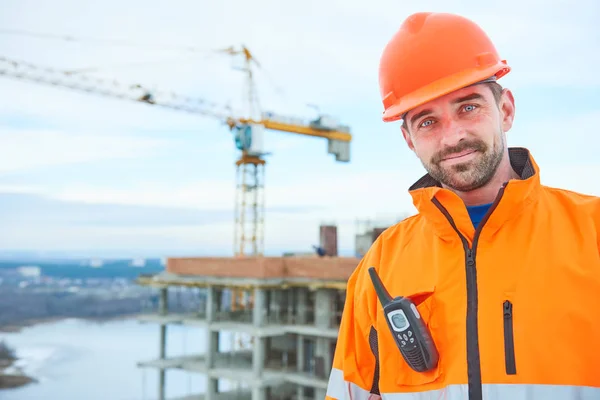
[334, 268]
[227, 267]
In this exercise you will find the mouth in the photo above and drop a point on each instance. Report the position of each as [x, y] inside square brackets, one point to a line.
[458, 156]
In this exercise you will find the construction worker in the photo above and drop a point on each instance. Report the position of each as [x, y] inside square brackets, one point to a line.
[503, 272]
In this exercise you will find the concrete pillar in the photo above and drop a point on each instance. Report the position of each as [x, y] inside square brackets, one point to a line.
[259, 394]
[301, 298]
[275, 306]
[258, 356]
[323, 308]
[163, 301]
[162, 310]
[212, 341]
[300, 393]
[259, 312]
[320, 393]
[218, 298]
[323, 353]
[291, 298]
[211, 305]
[300, 353]
[327, 356]
[211, 388]
[212, 348]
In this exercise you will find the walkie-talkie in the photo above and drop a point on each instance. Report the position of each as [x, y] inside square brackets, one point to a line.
[407, 327]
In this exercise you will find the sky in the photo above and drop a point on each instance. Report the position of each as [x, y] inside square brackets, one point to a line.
[87, 174]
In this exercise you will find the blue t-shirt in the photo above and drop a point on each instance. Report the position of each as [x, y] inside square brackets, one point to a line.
[477, 212]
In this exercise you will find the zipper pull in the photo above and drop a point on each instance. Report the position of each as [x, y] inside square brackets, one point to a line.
[507, 309]
[470, 259]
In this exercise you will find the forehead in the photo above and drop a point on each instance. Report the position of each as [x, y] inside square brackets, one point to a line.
[450, 98]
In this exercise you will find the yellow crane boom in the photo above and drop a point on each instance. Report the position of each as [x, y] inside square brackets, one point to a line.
[249, 210]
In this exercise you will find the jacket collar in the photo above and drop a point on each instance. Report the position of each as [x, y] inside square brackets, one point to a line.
[515, 196]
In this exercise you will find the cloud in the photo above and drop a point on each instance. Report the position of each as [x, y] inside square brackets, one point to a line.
[40, 212]
[26, 149]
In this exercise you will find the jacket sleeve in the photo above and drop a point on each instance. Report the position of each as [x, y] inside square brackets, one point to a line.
[354, 374]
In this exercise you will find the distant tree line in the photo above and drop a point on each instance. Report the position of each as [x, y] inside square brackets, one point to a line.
[18, 307]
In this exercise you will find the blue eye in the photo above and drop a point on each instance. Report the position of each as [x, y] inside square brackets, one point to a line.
[469, 107]
[426, 123]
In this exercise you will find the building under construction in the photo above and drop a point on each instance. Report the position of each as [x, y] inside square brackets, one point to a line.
[285, 311]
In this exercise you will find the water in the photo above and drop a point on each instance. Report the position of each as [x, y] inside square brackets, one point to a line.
[76, 359]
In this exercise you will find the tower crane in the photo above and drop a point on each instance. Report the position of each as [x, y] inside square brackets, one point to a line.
[248, 131]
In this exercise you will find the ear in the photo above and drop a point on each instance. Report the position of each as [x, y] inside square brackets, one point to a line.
[407, 138]
[507, 109]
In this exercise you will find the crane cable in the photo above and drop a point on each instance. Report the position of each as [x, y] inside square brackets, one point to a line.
[119, 42]
[114, 42]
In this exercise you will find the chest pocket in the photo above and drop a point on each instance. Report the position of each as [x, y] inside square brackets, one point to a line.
[394, 372]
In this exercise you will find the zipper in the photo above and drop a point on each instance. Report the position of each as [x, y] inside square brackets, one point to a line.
[473, 356]
[509, 342]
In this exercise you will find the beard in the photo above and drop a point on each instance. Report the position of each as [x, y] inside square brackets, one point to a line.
[470, 175]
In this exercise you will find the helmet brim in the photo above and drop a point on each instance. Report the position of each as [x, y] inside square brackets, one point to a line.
[442, 87]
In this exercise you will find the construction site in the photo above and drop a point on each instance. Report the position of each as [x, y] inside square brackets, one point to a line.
[280, 314]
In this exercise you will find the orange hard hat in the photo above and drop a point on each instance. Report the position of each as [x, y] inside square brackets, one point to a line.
[431, 55]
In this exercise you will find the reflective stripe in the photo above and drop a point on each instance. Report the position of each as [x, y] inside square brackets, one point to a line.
[340, 389]
[503, 392]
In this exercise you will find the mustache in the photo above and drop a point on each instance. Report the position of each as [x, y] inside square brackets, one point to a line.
[475, 145]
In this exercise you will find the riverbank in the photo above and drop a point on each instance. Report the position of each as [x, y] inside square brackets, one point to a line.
[11, 376]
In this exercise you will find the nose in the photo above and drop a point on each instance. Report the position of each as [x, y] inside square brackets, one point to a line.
[452, 132]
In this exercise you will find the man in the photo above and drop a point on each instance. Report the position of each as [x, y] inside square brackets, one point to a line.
[504, 271]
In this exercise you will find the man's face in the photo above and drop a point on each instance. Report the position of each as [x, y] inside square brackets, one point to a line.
[459, 137]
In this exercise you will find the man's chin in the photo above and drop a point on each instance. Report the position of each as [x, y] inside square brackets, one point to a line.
[456, 182]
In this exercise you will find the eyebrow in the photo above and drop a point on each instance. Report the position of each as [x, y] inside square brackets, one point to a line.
[469, 97]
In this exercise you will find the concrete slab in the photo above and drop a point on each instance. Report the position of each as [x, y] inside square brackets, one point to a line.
[185, 362]
[248, 328]
[182, 319]
[311, 330]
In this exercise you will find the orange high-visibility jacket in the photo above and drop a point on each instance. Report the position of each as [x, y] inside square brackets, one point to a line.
[513, 307]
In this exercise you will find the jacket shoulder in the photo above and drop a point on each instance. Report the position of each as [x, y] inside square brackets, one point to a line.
[397, 237]
[401, 230]
[574, 200]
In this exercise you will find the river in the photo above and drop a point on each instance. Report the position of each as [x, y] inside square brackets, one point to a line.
[75, 359]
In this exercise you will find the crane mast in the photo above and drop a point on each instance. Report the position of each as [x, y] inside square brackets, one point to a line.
[250, 175]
